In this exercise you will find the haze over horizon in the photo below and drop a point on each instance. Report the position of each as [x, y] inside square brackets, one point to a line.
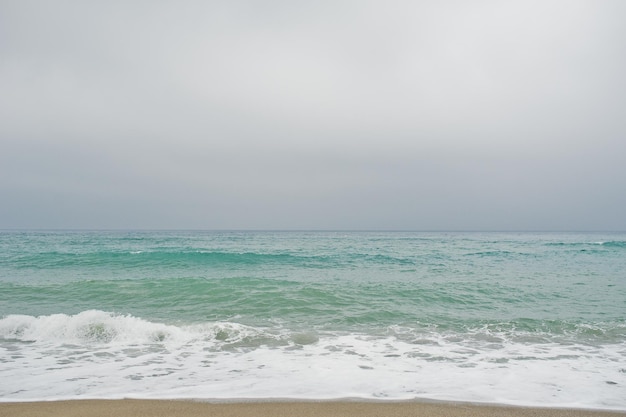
[395, 115]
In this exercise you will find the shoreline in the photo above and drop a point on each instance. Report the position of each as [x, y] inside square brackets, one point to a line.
[284, 408]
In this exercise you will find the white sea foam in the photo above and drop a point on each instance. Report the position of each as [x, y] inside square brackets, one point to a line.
[96, 354]
[91, 326]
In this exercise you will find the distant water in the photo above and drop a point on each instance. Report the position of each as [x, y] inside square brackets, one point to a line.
[515, 318]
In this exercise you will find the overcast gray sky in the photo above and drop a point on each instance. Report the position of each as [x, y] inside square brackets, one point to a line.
[440, 115]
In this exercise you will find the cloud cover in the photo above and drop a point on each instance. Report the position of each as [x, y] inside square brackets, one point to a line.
[447, 115]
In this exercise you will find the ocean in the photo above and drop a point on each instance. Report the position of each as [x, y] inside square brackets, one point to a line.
[533, 319]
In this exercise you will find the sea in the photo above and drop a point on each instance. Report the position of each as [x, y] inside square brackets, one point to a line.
[531, 319]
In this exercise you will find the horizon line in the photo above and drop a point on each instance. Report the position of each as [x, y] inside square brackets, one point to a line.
[320, 230]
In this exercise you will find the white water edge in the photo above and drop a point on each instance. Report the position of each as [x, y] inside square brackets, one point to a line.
[67, 357]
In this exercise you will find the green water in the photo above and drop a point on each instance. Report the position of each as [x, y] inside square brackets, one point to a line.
[519, 318]
[320, 280]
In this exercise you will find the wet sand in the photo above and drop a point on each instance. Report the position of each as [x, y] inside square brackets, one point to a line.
[167, 408]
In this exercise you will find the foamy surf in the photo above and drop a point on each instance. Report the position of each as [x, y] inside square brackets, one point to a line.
[97, 354]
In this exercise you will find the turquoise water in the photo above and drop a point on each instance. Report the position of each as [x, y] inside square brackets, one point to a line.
[411, 307]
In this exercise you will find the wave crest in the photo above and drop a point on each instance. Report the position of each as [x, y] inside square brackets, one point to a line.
[101, 327]
[92, 326]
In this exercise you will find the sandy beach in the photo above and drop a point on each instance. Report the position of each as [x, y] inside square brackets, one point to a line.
[167, 408]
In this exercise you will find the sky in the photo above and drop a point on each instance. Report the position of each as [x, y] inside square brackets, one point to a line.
[352, 115]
